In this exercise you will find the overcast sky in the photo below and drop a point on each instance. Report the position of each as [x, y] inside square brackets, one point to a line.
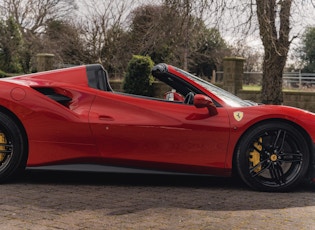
[303, 12]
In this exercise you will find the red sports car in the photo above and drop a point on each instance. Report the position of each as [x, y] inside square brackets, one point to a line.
[72, 116]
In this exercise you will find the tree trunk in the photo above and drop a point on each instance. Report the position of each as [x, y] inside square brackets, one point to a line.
[271, 92]
[274, 33]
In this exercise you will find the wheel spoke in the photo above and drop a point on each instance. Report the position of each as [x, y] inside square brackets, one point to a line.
[276, 173]
[281, 135]
[261, 164]
[291, 157]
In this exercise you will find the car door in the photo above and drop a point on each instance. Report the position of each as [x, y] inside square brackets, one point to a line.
[136, 130]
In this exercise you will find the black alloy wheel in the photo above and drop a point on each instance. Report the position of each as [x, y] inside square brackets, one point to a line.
[273, 157]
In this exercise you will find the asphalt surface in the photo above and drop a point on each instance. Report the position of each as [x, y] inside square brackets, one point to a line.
[73, 200]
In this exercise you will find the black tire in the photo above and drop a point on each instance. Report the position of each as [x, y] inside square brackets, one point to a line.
[272, 157]
[13, 152]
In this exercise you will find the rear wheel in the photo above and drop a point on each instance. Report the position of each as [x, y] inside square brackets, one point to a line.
[13, 153]
[272, 157]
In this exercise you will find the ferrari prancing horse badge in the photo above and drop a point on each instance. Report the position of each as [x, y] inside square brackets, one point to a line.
[238, 115]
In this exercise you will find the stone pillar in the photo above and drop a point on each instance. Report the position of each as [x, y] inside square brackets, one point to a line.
[45, 62]
[233, 70]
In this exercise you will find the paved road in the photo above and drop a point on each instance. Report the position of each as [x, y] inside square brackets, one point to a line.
[54, 200]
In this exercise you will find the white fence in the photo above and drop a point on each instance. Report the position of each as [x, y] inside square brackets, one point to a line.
[290, 80]
[298, 80]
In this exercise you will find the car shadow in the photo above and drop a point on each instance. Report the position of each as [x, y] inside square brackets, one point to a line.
[130, 179]
[139, 192]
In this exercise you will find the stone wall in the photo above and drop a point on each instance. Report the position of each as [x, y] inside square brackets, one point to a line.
[44, 62]
[233, 71]
[303, 100]
[233, 80]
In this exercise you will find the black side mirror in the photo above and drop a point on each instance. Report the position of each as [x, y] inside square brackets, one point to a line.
[202, 101]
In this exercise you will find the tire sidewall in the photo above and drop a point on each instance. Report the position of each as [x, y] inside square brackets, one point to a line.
[17, 161]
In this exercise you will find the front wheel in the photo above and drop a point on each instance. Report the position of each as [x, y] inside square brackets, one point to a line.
[13, 153]
[273, 156]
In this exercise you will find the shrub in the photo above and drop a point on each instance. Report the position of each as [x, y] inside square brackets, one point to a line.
[138, 79]
[3, 74]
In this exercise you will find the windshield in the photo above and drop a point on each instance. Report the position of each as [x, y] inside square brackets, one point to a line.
[229, 98]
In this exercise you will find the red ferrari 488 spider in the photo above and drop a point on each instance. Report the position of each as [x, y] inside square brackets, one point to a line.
[72, 116]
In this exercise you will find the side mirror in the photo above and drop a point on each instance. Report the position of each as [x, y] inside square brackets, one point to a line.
[202, 101]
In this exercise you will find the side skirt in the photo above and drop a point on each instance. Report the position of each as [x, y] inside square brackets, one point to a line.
[105, 169]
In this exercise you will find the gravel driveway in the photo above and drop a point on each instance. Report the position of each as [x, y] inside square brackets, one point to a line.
[72, 200]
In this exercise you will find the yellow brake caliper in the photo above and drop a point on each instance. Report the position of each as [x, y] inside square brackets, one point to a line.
[255, 155]
[2, 147]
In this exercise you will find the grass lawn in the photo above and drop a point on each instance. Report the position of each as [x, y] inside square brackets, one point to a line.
[258, 88]
[252, 87]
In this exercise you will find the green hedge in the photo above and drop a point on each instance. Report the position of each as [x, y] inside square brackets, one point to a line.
[138, 79]
[3, 74]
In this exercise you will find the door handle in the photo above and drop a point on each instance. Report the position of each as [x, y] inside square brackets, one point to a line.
[105, 118]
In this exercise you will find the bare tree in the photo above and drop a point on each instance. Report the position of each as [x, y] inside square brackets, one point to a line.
[274, 25]
[188, 11]
[253, 57]
[63, 39]
[154, 31]
[273, 20]
[32, 15]
[104, 23]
